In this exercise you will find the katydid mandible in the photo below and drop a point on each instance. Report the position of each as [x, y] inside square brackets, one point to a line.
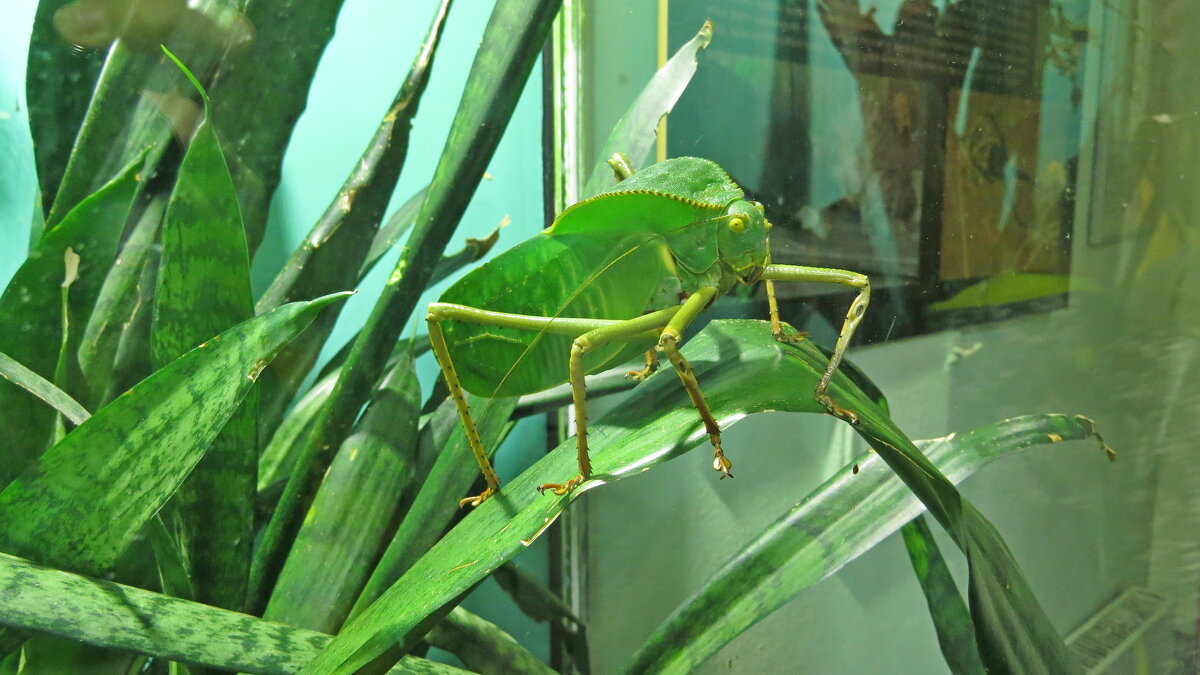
[617, 274]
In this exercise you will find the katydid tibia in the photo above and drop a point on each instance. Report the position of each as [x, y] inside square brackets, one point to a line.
[616, 275]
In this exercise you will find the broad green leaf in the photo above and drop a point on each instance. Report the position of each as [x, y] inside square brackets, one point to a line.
[44, 389]
[104, 613]
[203, 289]
[329, 258]
[58, 84]
[330, 562]
[836, 523]
[637, 131]
[511, 43]
[31, 314]
[951, 618]
[483, 646]
[77, 509]
[656, 424]
[453, 471]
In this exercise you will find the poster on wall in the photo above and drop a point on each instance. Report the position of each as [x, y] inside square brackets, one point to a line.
[933, 149]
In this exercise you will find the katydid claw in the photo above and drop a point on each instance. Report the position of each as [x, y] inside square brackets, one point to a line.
[836, 410]
[781, 336]
[561, 489]
[477, 499]
[722, 464]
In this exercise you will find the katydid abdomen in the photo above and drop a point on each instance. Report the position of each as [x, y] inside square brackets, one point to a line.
[575, 276]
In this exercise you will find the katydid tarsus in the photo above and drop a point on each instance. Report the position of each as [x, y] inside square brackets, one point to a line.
[615, 275]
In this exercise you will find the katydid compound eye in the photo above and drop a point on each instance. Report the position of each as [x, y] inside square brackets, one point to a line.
[737, 224]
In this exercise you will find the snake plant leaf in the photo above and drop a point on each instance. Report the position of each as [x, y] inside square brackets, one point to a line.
[100, 612]
[452, 473]
[31, 314]
[657, 424]
[77, 509]
[483, 646]
[42, 388]
[58, 85]
[951, 618]
[839, 521]
[121, 298]
[329, 563]
[512, 41]
[329, 257]
[203, 289]
[259, 91]
[637, 130]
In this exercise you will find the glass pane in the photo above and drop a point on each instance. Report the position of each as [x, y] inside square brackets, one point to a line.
[1016, 178]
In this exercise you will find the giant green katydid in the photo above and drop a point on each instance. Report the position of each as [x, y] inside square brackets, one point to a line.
[615, 275]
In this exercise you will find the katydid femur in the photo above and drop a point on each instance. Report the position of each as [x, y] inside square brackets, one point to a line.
[616, 275]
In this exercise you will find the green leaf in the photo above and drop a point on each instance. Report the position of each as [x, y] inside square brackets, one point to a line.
[104, 613]
[656, 424]
[259, 91]
[329, 258]
[637, 131]
[203, 289]
[58, 85]
[330, 562]
[839, 521]
[511, 43]
[77, 508]
[951, 618]
[122, 298]
[453, 472]
[42, 388]
[483, 646]
[31, 315]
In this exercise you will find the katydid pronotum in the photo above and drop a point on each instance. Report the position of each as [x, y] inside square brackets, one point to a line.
[617, 274]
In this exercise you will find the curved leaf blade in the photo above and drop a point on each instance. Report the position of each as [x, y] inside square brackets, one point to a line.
[77, 508]
[637, 131]
[839, 521]
[656, 424]
[42, 388]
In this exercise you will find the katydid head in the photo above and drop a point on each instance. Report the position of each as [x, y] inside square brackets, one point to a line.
[742, 240]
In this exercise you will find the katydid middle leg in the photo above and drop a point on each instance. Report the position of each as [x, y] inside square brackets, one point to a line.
[645, 326]
[853, 317]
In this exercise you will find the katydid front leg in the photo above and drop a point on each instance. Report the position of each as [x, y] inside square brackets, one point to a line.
[853, 317]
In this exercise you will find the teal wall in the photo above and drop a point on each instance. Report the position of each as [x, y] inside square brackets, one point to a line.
[361, 70]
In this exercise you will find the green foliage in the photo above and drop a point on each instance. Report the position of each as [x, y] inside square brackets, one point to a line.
[339, 522]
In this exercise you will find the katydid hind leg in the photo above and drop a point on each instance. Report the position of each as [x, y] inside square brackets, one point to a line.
[438, 341]
[854, 316]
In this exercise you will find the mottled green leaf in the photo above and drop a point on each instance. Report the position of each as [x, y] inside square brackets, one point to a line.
[121, 298]
[101, 612]
[512, 41]
[453, 471]
[203, 289]
[58, 85]
[78, 508]
[30, 309]
[330, 562]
